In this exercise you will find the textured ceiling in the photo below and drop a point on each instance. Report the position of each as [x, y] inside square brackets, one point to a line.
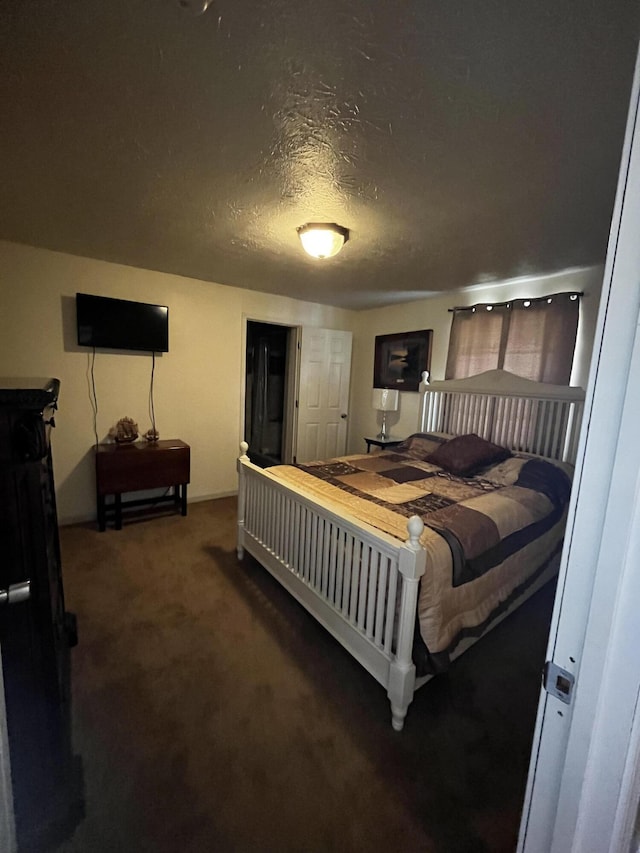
[458, 141]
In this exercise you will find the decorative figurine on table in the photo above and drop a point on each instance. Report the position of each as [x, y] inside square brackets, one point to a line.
[125, 431]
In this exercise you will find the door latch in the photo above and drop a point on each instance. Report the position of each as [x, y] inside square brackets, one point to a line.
[16, 593]
[558, 682]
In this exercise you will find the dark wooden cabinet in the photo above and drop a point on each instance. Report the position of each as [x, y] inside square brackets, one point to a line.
[36, 632]
[122, 468]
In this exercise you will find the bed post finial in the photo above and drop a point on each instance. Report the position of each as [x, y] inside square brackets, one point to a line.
[415, 526]
[242, 459]
[425, 377]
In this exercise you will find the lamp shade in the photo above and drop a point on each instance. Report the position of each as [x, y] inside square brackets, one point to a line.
[385, 399]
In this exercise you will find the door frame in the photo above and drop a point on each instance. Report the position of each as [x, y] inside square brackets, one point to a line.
[577, 747]
[290, 433]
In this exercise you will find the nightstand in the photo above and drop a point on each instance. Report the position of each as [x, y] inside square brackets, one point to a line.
[382, 442]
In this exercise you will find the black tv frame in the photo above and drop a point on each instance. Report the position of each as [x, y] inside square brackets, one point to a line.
[107, 323]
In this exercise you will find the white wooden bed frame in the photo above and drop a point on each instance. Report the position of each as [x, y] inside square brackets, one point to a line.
[348, 574]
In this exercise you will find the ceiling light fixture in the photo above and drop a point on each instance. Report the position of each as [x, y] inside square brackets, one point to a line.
[322, 239]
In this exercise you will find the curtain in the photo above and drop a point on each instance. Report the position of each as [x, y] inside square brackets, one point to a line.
[476, 341]
[534, 338]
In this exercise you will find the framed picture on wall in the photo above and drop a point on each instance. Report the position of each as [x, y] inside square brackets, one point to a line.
[400, 359]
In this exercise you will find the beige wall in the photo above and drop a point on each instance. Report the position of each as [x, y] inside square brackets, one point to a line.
[198, 383]
[433, 313]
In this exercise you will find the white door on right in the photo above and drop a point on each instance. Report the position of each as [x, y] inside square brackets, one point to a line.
[575, 786]
[323, 395]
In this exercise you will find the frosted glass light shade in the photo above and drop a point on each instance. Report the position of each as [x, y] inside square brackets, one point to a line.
[322, 239]
[385, 399]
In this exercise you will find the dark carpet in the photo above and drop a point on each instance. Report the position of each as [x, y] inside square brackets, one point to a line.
[211, 713]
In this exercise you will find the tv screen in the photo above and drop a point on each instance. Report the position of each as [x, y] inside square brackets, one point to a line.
[120, 324]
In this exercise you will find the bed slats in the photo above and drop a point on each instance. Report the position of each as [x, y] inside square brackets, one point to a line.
[357, 579]
[544, 425]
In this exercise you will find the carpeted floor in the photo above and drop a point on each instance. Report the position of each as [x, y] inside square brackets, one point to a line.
[212, 713]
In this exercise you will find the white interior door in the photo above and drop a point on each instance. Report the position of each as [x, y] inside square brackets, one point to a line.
[606, 708]
[565, 780]
[323, 394]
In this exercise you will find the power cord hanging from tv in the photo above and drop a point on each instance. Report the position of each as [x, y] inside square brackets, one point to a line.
[152, 411]
[93, 396]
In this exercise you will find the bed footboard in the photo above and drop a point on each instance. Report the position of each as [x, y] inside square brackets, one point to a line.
[359, 583]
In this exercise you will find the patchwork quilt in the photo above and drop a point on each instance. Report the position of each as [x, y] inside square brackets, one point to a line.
[487, 535]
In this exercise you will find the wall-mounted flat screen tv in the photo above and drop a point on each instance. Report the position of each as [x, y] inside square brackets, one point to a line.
[120, 324]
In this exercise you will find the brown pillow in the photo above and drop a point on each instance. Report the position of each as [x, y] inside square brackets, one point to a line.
[420, 445]
[466, 454]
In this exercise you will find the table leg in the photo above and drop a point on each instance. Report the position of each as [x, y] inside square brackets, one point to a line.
[102, 513]
[184, 499]
[118, 508]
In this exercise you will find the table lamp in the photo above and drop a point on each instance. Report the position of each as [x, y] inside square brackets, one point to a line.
[384, 400]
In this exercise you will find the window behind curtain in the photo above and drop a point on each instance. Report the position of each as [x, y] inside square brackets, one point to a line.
[532, 338]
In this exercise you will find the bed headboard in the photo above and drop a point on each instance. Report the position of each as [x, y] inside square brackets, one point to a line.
[533, 417]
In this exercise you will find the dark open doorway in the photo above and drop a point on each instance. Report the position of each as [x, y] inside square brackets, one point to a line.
[266, 388]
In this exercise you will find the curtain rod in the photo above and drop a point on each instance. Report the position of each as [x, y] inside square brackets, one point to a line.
[507, 303]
